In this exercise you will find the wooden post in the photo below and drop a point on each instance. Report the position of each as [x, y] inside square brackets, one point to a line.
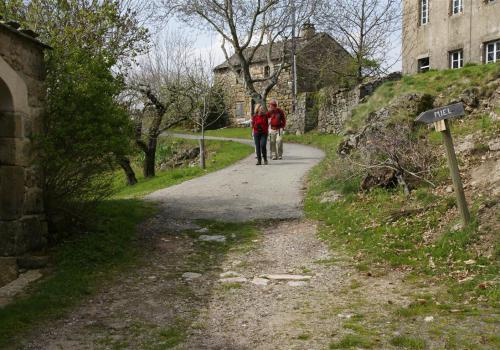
[455, 174]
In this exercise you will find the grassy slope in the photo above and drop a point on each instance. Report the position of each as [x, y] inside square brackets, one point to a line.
[360, 224]
[84, 263]
[220, 155]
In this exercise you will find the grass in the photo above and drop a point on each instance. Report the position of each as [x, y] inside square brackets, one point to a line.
[220, 155]
[82, 264]
[407, 342]
[450, 83]
[351, 341]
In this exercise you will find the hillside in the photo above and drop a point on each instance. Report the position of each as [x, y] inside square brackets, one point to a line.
[448, 272]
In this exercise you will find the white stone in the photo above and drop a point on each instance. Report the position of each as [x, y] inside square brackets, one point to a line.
[215, 238]
[429, 319]
[233, 280]
[287, 277]
[229, 274]
[494, 145]
[202, 230]
[296, 283]
[260, 281]
[191, 275]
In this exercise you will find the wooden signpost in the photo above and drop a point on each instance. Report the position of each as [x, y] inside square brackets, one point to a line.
[439, 117]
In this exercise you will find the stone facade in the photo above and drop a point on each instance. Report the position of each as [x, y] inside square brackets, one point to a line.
[22, 94]
[315, 52]
[435, 30]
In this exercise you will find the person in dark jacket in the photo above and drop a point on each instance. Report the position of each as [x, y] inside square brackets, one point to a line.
[278, 122]
[260, 128]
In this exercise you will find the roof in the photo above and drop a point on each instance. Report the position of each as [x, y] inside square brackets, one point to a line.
[26, 33]
[261, 53]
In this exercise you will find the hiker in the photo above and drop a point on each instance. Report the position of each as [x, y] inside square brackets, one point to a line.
[260, 129]
[278, 122]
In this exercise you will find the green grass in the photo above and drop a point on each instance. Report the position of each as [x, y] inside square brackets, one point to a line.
[240, 133]
[406, 342]
[351, 341]
[221, 154]
[82, 264]
[450, 83]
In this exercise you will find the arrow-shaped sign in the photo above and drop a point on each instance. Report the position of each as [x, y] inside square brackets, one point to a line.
[446, 112]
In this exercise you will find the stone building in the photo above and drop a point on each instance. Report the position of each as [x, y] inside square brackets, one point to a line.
[442, 34]
[22, 94]
[320, 61]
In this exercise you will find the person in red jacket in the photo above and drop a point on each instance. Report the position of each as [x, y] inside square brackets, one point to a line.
[278, 122]
[260, 130]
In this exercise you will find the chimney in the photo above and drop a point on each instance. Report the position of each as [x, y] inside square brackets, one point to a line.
[308, 30]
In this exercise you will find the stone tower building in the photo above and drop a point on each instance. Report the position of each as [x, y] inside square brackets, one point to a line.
[319, 59]
[22, 95]
[442, 34]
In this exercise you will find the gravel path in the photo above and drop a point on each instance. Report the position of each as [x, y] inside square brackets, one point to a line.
[244, 191]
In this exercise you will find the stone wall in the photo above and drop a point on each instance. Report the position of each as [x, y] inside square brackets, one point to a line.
[305, 117]
[336, 105]
[22, 95]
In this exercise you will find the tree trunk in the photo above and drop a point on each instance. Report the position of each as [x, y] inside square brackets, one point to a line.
[129, 172]
[202, 150]
[149, 163]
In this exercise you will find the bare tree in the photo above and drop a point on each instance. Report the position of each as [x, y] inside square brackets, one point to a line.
[245, 28]
[161, 90]
[366, 28]
[208, 97]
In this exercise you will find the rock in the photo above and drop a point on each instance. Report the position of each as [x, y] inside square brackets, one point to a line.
[487, 177]
[494, 145]
[345, 316]
[465, 145]
[287, 277]
[229, 274]
[32, 262]
[202, 230]
[259, 281]
[18, 285]
[8, 270]
[449, 189]
[191, 275]
[429, 319]
[296, 283]
[233, 280]
[383, 177]
[215, 238]
[330, 197]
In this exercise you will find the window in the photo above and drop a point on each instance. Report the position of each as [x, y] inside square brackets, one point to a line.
[423, 65]
[267, 71]
[492, 51]
[424, 12]
[456, 59]
[239, 109]
[457, 6]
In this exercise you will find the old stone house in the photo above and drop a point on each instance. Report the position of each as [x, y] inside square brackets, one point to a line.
[22, 94]
[320, 61]
[442, 34]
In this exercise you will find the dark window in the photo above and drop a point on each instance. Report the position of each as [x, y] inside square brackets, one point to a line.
[492, 51]
[424, 12]
[423, 65]
[267, 71]
[456, 59]
[457, 6]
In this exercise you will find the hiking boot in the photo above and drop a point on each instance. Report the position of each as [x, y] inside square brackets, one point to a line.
[274, 158]
[280, 157]
[258, 163]
[265, 161]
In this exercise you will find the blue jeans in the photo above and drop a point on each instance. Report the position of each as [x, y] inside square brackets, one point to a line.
[261, 146]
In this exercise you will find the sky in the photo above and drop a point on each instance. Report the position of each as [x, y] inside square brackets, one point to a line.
[207, 44]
